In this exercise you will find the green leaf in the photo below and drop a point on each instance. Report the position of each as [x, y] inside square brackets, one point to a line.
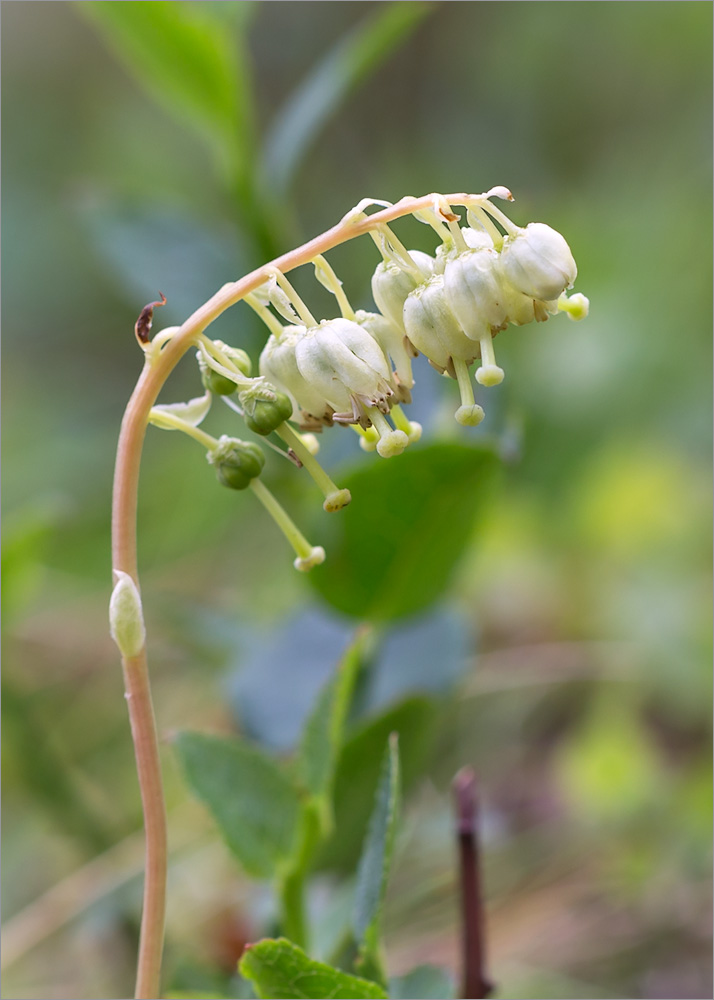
[425, 982]
[185, 59]
[322, 736]
[392, 552]
[358, 769]
[351, 60]
[279, 970]
[254, 804]
[373, 870]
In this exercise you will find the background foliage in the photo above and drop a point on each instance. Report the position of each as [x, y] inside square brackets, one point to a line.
[166, 146]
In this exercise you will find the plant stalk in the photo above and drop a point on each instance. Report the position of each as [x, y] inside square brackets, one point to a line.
[157, 368]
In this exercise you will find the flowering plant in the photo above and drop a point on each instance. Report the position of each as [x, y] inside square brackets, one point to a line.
[353, 370]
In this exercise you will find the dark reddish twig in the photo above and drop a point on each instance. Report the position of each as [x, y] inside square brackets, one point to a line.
[475, 984]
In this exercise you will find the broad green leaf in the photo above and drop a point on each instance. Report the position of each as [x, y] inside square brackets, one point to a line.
[373, 870]
[254, 804]
[322, 736]
[393, 550]
[351, 60]
[279, 970]
[358, 769]
[182, 54]
[425, 982]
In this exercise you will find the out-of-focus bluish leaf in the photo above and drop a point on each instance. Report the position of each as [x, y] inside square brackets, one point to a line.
[278, 968]
[425, 982]
[251, 799]
[184, 57]
[426, 653]
[332, 79]
[280, 676]
[322, 735]
[148, 250]
[374, 865]
[415, 721]
[393, 550]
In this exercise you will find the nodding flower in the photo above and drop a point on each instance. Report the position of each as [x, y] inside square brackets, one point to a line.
[356, 368]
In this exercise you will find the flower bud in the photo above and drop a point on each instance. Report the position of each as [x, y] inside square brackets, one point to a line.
[262, 415]
[474, 292]
[236, 462]
[432, 327]
[391, 285]
[219, 384]
[537, 262]
[340, 360]
[126, 619]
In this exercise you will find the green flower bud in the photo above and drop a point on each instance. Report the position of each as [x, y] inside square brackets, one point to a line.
[217, 383]
[236, 462]
[263, 415]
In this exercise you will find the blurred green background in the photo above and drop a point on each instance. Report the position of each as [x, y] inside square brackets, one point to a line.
[568, 660]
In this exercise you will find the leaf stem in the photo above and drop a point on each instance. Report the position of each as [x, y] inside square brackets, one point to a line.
[157, 368]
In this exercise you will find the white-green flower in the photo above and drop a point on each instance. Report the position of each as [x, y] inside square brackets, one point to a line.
[391, 284]
[344, 364]
[434, 329]
[279, 364]
[537, 262]
[395, 345]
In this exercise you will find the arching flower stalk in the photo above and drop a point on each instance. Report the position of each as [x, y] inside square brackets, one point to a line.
[352, 369]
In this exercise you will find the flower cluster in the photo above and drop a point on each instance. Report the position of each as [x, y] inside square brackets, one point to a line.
[356, 368]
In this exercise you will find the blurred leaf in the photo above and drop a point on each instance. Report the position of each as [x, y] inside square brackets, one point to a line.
[24, 540]
[608, 768]
[148, 249]
[34, 757]
[358, 769]
[429, 652]
[234, 13]
[252, 801]
[392, 552]
[279, 968]
[426, 982]
[279, 676]
[343, 68]
[183, 56]
[323, 733]
[374, 865]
